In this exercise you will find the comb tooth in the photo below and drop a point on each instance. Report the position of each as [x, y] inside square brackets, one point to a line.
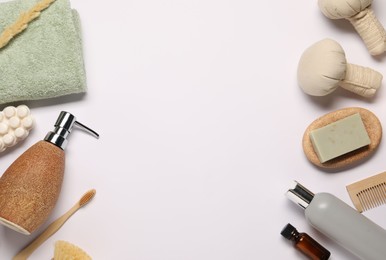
[363, 200]
[378, 200]
[382, 190]
[379, 195]
[367, 193]
[361, 203]
[373, 198]
[367, 199]
[374, 195]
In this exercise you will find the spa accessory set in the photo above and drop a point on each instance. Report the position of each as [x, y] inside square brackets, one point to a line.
[31, 185]
[342, 139]
[50, 29]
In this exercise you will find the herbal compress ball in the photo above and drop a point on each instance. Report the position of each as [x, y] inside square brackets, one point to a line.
[323, 68]
[362, 17]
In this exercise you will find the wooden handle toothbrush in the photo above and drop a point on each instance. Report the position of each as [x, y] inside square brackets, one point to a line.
[54, 226]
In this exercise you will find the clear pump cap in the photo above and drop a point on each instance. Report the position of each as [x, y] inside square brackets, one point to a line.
[63, 127]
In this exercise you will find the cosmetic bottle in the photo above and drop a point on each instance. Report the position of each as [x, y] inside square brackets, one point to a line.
[342, 223]
[30, 187]
[305, 244]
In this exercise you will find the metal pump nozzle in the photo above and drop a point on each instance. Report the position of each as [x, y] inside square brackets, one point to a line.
[300, 195]
[63, 127]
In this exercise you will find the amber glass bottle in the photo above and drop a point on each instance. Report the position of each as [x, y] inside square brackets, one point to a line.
[305, 244]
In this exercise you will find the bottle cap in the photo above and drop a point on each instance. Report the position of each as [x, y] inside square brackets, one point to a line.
[288, 231]
[63, 127]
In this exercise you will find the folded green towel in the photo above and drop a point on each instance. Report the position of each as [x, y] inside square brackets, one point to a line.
[46, 59]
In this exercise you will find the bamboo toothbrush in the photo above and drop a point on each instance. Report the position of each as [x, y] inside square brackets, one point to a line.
[54, 226]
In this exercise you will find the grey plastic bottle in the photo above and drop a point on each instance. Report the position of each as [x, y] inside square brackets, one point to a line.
[342, 223]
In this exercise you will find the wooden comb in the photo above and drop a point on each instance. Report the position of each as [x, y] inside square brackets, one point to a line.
[368, 193]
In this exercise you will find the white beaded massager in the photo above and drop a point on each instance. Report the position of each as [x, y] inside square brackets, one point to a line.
[15, 125]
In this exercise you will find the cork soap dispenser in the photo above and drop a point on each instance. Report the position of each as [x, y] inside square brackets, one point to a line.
[30, 186]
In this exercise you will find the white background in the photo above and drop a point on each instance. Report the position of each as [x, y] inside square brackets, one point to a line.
[201, 121]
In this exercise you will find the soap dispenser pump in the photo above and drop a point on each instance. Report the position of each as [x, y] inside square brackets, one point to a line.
[30, 187]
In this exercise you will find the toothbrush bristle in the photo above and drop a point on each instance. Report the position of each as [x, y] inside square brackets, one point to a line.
[87, 197]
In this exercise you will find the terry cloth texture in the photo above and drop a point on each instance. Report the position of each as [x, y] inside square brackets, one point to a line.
[46, 59]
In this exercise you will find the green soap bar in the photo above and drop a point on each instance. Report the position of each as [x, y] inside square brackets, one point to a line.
[340, 137]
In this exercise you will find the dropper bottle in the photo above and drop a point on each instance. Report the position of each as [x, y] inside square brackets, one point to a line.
[305, 244]
[31, 185]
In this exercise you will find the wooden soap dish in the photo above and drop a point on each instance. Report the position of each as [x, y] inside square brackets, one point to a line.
[373, 128]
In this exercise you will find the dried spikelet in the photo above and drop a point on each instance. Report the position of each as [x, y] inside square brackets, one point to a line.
[22, 23]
